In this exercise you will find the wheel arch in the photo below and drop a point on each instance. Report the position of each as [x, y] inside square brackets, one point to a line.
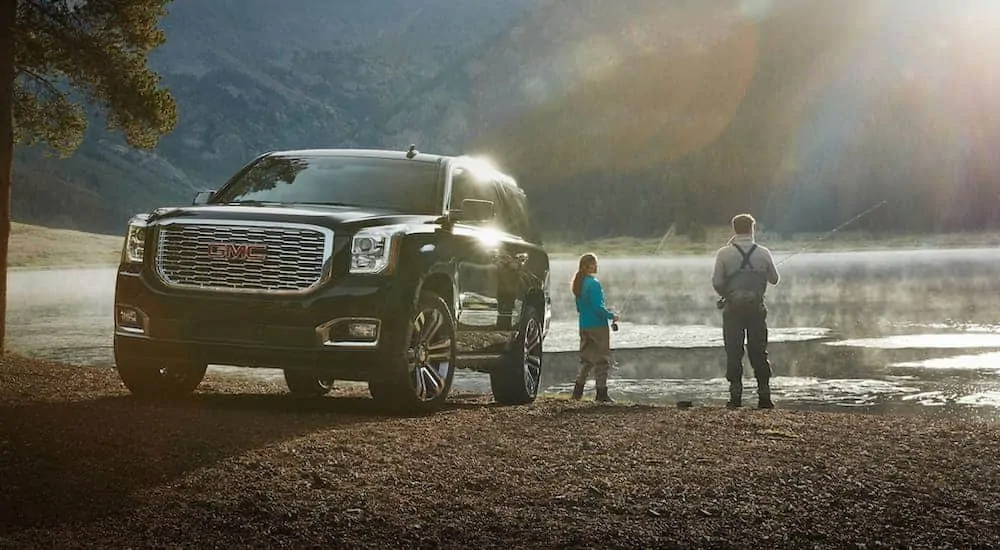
[442, 285]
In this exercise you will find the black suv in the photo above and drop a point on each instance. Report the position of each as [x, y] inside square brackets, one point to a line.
[389, 267]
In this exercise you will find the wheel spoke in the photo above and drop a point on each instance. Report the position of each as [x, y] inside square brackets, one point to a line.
[418, 324]
[440, 345]
[437, 383]
[531, 370]
[532, 340]
[432, 327]
[530, 383]
[420, 386]
[440, 350]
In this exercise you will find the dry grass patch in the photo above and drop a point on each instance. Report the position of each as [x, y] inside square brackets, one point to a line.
[33, 246]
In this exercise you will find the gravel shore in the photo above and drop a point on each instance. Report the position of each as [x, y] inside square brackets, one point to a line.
[241, 464]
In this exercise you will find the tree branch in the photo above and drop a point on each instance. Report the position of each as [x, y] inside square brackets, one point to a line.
[43, 81]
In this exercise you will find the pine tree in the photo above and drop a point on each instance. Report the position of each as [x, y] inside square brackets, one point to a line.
[56, 57]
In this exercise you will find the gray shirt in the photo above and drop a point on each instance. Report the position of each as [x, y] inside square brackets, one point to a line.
[728, 260]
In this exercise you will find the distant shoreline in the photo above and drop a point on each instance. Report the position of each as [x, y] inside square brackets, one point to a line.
[812, 242]
[36, 247]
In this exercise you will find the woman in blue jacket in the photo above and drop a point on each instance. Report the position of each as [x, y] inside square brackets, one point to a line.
[595, 337]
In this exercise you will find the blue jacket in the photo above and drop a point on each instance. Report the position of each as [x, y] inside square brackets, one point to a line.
[590, 304]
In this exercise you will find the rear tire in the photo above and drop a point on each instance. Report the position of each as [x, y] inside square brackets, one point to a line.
[421, 372]
[167, 381]
[306, 384]
[517, 380]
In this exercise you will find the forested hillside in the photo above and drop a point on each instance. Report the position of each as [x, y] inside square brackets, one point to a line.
[257, 75]
[617, 117]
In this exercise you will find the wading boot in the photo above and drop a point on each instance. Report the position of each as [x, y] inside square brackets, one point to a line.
[602, 396]
[735, 395]
[578, 391]
[764, 395]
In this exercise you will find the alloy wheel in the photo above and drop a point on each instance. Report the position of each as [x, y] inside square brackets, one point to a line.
[429, 354]
[532, 362]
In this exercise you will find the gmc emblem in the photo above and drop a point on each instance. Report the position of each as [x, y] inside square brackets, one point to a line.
[240, 252]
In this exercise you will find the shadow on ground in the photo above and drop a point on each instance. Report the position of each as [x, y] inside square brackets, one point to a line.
[83, 460]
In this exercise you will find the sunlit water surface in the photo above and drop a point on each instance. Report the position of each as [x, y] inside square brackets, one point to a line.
[913, 332]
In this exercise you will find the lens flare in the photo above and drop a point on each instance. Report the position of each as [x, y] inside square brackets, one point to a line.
[909, 94]
[655, 77]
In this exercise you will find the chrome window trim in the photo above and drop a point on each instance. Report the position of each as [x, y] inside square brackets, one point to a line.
[326, 270]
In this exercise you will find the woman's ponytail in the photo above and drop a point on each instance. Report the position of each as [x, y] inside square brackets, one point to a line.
[587, 261]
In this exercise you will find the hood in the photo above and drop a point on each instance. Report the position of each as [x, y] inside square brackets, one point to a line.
[332, 217]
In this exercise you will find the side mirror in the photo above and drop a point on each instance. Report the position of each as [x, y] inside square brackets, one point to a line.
[202, 197]
[474, 210]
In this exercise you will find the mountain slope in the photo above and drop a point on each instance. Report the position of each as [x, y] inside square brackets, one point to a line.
[618, 118]
[646, 114]
[251, 76]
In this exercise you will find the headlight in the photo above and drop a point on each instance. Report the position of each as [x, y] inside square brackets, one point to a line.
[135, 240]
[373, 248]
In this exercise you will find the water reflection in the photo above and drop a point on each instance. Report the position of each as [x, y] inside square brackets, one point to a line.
[981, 361]
[564, 336]
[926, 341]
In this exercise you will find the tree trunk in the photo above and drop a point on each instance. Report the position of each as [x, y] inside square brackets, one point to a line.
[8, 12]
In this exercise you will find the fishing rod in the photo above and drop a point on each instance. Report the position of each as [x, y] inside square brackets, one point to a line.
[628, 297]
[721, 303]
[828, 234]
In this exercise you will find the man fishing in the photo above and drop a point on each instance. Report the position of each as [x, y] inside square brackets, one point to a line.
[743, 269]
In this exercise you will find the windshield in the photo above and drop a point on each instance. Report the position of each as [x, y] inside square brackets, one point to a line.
[399, 185]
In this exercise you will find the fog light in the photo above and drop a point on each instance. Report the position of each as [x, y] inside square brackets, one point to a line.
[346, 332]
[365, 330]
[130, 319]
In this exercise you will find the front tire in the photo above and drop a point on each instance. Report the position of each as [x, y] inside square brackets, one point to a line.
[422, 374]
[167, 381]
[307, 385]
[517, 380]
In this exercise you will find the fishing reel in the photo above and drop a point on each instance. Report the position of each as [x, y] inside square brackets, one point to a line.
[614, 326]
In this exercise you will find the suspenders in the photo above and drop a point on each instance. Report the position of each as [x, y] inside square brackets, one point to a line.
[746, 256]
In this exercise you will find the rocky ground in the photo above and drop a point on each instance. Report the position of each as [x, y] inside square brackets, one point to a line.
[82, 464]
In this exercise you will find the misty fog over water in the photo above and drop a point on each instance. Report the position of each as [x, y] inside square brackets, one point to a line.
[909, 331]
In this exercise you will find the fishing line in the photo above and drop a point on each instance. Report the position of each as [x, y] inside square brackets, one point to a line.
[635, 281]
[832, 231]
[828, 234]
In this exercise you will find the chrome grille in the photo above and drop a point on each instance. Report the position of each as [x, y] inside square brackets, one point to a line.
[214, 256]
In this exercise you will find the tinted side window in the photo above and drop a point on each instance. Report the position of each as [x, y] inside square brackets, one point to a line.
[513, 215]
[465, 185]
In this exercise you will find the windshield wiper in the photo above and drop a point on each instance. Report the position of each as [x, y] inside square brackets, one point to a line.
[253, 203]
[330, 204]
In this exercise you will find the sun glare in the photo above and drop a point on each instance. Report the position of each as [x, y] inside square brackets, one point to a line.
[490, 238]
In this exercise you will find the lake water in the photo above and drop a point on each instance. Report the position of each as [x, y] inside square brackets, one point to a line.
[913, 332]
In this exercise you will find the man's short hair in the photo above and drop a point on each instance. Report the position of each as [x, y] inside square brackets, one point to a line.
[743, 223]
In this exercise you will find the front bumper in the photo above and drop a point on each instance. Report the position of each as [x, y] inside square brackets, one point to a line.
[307, 332]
